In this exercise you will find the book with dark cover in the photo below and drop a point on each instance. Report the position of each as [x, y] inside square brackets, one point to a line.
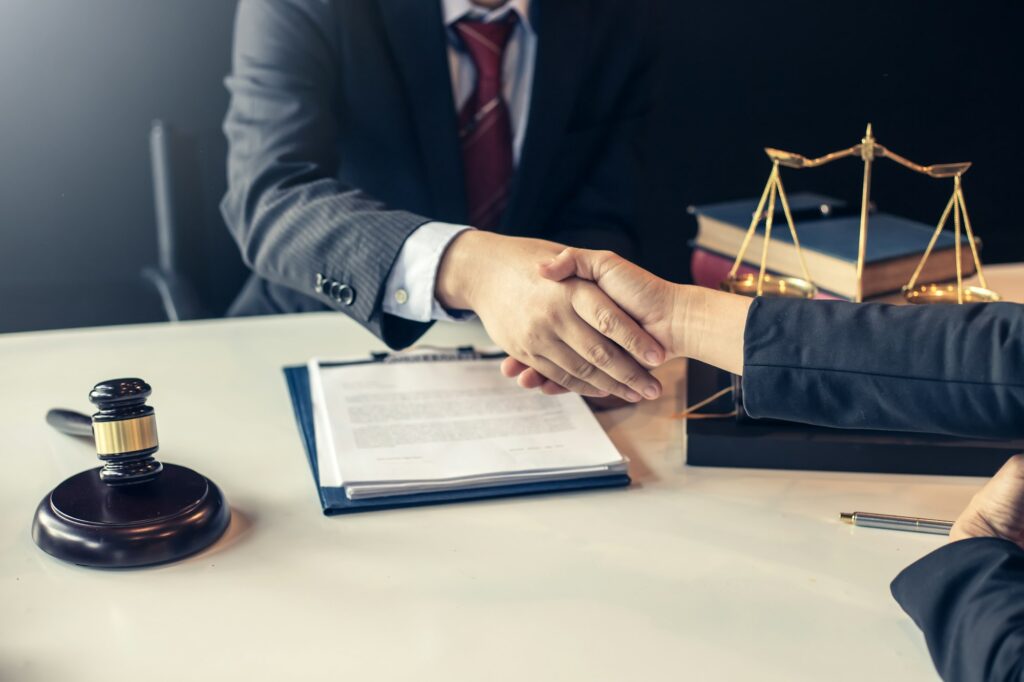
[829, 240]
[770, 444]
[890, 236]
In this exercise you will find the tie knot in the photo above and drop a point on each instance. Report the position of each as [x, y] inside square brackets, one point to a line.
[486, 43]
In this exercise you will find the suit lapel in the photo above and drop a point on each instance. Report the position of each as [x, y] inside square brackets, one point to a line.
[416, 32]
[561, 36]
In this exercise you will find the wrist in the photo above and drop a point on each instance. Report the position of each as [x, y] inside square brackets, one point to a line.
[457, 280]
[709, 326]
[688, 322]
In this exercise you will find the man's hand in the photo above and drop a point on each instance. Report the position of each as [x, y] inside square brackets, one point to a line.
[997, 510]
[571, 331]
[686, 320]
[648, 299]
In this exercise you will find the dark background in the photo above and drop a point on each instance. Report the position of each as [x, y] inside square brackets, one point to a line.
[81, 81]
[940, 82]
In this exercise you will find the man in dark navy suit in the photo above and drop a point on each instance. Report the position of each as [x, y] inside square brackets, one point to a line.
[404, 161]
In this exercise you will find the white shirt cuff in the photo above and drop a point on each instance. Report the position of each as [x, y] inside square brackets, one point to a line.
[409, 291]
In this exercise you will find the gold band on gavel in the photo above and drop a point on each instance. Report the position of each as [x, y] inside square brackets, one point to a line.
[125, 435]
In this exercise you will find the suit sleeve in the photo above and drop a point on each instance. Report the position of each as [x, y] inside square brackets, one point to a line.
[939, 369]
[292, 218]
[968, 599]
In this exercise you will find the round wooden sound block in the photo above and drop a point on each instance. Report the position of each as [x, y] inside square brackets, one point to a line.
[87, 521]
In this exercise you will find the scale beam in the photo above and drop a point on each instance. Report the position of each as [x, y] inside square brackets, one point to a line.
[868, 150]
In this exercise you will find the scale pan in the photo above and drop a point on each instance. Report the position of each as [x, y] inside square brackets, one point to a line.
[774, 286]
[946, 293]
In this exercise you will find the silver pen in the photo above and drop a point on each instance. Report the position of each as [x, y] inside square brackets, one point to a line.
[890, 522]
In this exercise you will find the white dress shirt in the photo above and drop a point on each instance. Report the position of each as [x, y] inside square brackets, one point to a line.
[409, 291]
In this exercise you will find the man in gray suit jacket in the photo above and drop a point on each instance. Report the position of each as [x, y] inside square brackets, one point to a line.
[368, 138]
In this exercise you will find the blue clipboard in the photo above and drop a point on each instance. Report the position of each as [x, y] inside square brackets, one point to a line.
[334, 501]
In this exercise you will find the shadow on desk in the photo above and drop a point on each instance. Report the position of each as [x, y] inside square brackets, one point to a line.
[238, 531]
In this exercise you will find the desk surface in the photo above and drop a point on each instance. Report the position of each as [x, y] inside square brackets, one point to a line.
[711, 574]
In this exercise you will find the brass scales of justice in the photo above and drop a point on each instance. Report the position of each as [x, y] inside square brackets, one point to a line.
[868, 150]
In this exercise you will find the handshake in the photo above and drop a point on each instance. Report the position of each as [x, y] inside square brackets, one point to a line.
[586, 321]
[594, 323]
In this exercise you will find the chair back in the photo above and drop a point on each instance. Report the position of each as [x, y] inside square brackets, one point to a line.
[199, 269]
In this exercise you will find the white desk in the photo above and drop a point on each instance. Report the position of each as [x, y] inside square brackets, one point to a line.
[700, 574]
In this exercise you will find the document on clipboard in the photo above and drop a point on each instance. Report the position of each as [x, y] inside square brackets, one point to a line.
[432, 422]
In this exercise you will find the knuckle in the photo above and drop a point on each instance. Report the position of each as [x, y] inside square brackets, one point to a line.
[630, 341]
[599, 355]
[528, 358]
[534, 336]
[568, 381]
[606, 320]
[584, 370]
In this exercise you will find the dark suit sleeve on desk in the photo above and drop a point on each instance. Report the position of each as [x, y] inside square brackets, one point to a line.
[292, 218]
[968, 599]
[940, 369]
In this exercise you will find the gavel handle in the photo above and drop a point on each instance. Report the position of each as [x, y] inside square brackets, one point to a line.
[70, 422]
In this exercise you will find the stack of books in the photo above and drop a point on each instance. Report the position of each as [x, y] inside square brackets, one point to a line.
[828, 231]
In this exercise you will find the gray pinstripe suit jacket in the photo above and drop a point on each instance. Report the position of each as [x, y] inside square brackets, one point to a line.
[342, 137]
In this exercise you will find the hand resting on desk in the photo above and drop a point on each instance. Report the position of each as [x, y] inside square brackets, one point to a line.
[997, 510]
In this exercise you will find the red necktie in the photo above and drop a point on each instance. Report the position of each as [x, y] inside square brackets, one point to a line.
[485, 129]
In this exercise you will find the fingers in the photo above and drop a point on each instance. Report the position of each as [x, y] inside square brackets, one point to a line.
[602, 359]
[598, 345]
[530, 378]
[575, 367]
[555, 363]
[582, 263]
[997, 510]
[601, 313]
[510, 367]
[549, 387]
[599, 309]
[584, 357]
[553, 366]
[560, 267]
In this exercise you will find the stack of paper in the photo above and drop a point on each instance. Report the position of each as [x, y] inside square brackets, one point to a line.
[399, 428]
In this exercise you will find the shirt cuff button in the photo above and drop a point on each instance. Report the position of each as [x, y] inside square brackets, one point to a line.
[402, 296]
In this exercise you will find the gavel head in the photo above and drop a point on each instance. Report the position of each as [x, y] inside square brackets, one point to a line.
[125, 431]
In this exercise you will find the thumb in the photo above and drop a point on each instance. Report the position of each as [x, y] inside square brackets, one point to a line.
[560, 267]
[583, 263]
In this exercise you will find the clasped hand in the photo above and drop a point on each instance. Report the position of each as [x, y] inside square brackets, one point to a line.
[571, 334]
[651, 302]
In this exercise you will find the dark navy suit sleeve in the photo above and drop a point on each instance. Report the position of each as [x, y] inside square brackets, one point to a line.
[291, 216]
[939, 369]
[968, 599]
